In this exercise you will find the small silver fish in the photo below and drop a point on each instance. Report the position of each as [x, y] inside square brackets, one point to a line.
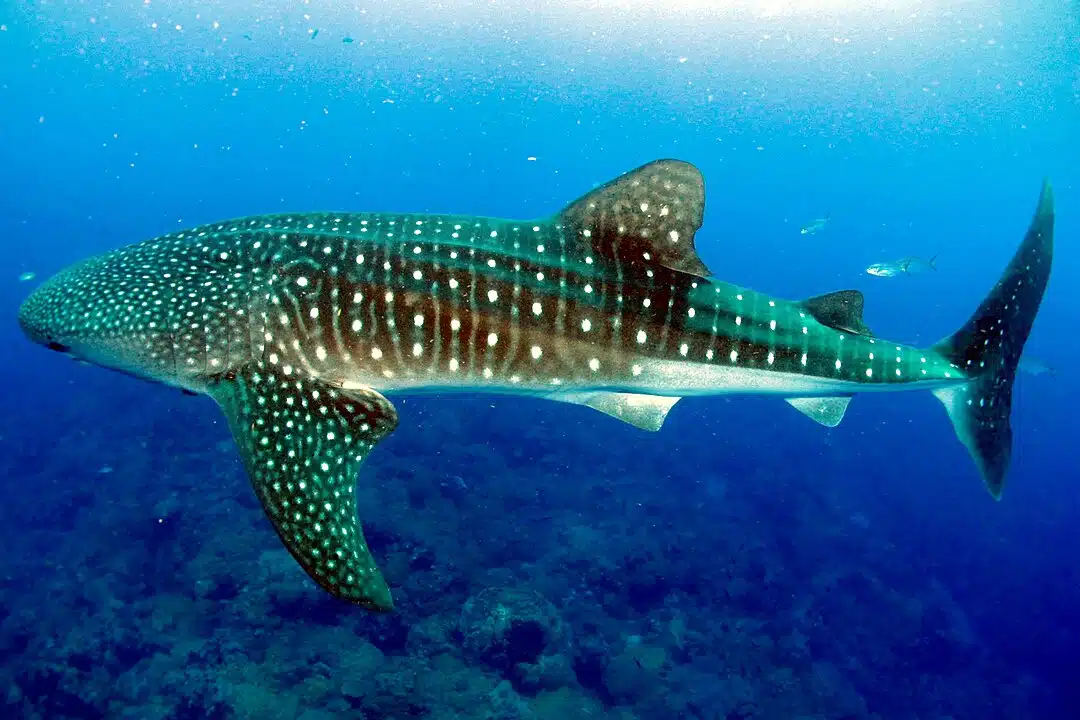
[884, 270]
[1034, 366]
[907, 266]
[27, 276]
[815, 226]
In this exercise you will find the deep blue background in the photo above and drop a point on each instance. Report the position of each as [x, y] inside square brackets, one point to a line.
[923, 131]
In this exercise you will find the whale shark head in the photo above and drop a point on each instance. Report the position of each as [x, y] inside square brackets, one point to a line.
[164, 310]
[90, 312]
[191, 310]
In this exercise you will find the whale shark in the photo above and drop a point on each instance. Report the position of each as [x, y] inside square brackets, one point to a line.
[300, 325]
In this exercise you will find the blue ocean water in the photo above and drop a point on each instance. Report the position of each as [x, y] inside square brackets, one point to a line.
[547, 561]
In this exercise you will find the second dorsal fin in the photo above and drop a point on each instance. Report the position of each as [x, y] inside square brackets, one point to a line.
[646, 217]
[841, 310]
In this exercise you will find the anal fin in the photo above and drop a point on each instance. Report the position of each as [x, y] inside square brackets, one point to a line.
[645, 412]
[827, 411]
[302, 443]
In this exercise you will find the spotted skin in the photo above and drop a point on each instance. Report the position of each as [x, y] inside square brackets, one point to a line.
[302, 447]
[295, 325]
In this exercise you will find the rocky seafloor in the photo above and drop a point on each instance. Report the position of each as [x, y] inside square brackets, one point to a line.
[546, 563]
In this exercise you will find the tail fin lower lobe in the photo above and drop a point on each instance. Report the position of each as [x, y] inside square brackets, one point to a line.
[988, 349]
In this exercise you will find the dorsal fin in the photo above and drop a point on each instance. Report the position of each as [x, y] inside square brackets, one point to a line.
[841, 310]
[646, 217]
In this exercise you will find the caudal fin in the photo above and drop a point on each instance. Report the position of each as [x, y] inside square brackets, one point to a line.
[988, 348]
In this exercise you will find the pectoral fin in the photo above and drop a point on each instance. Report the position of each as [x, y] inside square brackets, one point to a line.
[302, 443]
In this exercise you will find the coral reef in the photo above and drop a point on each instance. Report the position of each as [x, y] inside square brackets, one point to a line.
[531, 585]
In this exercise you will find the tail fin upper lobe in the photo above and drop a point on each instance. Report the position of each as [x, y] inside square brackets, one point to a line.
[988, 349]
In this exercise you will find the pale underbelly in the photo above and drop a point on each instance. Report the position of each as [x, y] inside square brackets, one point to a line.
[670, 378]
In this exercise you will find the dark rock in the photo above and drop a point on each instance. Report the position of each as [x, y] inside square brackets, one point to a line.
[590, 660]
[389, 633]
[52, 691]
[507, 627]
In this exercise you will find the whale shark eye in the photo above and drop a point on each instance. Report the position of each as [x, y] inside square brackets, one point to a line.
[58, 347]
